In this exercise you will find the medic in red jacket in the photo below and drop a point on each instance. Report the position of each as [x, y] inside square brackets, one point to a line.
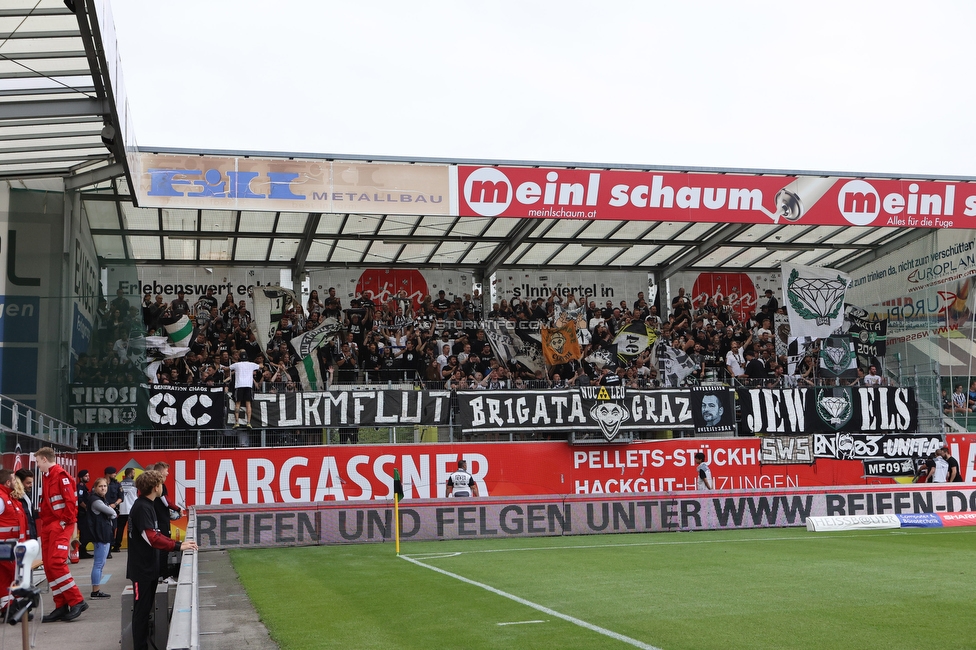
[58, 514]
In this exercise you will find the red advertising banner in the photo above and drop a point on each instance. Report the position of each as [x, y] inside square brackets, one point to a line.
[717, 198]
[361, 472]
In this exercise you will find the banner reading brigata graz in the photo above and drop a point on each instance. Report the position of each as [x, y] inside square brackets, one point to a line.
[606, 409]
[540, 516]
[827, 409]
[718, 198]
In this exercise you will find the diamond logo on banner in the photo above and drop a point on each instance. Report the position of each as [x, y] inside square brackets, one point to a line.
[837, 355]
[816, 298]
[835, 406]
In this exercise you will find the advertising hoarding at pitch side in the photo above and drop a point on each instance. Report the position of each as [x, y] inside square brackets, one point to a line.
[717, 198]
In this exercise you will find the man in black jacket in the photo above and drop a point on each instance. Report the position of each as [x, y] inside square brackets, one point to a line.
[145, 544]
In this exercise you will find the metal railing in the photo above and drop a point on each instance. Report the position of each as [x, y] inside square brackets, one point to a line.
[17, 417]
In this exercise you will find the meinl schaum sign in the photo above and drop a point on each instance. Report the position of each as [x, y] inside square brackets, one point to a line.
[823, 409]
[554, 193]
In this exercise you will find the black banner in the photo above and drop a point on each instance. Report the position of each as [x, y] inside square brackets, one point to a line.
[853, 446]
[890, 468]
[870, 340]
[104, 408]
[828, 409]
[713, 410]
[351, 408]
[182, 407]
[606, 409]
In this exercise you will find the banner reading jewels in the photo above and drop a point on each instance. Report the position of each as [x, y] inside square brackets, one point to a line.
[351, 408]
[828, 409]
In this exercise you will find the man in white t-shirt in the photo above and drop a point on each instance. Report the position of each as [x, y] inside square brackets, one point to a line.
[939, 472]
[460, 483]
[873, 378]
[243, 373]
[703, 475]
[444, 356]
[735, 362]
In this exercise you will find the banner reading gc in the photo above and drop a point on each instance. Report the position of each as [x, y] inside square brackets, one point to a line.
[827, 409]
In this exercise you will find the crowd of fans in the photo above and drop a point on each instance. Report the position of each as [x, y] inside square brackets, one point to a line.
[442, 342]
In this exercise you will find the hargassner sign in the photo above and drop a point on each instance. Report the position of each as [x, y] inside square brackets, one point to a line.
[720, 198]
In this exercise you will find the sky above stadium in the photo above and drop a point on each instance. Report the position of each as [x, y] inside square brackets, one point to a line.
[882, 87]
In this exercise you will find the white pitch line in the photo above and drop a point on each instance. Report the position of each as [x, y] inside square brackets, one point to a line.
[521, 622]
[538, 607]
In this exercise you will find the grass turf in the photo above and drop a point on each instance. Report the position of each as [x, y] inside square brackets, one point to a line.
[772, 588]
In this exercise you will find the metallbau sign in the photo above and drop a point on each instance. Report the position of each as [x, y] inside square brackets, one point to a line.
[291, 185]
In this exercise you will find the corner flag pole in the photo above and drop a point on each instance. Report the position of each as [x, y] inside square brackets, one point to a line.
[397, 495]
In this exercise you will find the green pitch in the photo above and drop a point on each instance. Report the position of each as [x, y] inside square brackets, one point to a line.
[774, 588]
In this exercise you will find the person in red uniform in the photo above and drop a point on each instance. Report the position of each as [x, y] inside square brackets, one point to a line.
[13, 528]
[58, 515]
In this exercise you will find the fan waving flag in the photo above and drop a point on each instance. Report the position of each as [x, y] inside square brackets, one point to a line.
[271, 303]
[674, 364]
[814, 299]
[310, 373]
[560, 344]
[310, 341]
[179, 331]
[633, 339]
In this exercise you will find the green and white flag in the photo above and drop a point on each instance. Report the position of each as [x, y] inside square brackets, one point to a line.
[814, 299]
[271, 303]
[310, 373]
[180, 331]
[310, 341]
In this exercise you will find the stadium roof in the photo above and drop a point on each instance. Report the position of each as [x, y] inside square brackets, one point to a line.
[54, 97]
[60, 90]
[308, 240]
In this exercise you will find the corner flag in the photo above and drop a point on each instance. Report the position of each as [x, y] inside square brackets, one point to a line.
[397, 485]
